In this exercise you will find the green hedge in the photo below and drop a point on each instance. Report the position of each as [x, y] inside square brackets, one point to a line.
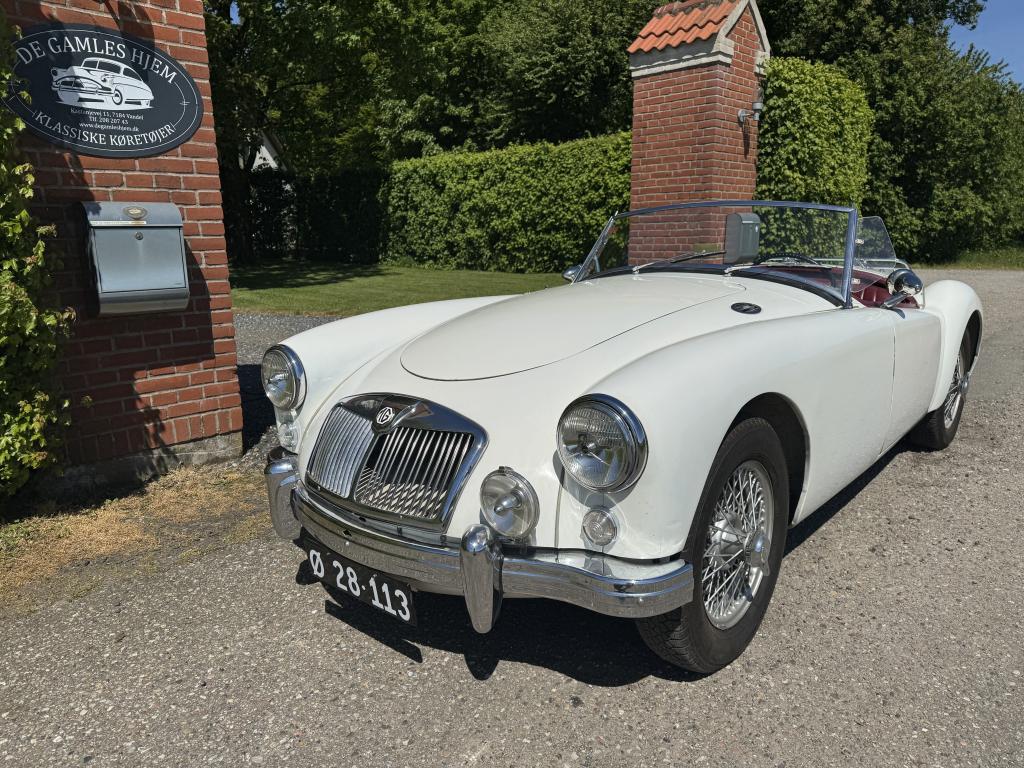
[814, 135]
[538, 207]
[533, 208]
[31, 413]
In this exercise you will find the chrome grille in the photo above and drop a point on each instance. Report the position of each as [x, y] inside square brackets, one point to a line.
[339, 452]
[410, 471]
[394, 458]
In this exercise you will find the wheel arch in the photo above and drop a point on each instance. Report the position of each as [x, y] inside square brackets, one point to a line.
[785, 419]
[974, 328]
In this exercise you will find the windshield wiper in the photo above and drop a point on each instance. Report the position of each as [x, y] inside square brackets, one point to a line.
[689, 256]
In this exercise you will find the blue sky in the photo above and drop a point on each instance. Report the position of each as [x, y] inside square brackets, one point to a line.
[1000, 31]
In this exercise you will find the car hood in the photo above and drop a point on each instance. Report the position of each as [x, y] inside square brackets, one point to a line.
[541, 328]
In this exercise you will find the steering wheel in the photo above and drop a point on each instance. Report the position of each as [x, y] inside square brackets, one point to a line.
[787, 255]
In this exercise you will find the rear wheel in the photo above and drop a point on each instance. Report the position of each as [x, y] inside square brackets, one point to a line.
[938, 429]
[736, 546]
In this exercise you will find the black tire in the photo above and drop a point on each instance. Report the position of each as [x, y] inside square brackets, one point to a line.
[686, 637]
[933, 433]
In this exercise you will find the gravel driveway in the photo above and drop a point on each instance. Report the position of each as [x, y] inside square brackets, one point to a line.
[894, 638]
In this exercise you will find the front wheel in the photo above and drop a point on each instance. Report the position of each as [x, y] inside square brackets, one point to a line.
[736, 545]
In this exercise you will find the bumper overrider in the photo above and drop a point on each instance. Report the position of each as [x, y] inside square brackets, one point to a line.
[478, 568]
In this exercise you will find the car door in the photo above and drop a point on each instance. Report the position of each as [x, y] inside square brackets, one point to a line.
[917, 346]
[847, 401]
[917, 334]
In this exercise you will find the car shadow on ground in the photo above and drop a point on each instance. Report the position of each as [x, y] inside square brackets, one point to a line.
[593, 649]
[588, 647]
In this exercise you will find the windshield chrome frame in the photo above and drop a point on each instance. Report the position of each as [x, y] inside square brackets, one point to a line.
[851, 231]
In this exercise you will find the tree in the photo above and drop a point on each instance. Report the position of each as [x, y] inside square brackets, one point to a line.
[288, 69]
[353, 85]
[292, 69]
[946, 159]
[946, 154]
[556, 70]
[365, 82]
[356, 85]
[829, 30]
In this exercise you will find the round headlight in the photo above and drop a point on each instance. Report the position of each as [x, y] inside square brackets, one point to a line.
[601, 443]
[509, 504]
[284, 381]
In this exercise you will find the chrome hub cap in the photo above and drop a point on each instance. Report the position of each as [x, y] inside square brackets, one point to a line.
[757, 551]
[955, 394]
[737, 545]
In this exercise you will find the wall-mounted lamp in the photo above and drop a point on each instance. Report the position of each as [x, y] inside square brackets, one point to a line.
[755, 114]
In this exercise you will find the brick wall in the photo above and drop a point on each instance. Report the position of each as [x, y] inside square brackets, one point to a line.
[144, 382]
[688, 144]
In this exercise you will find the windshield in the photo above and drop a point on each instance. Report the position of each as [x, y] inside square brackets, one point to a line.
[810, 246]
[874, 247]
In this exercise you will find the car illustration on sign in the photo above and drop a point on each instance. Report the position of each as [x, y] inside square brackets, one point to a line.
[101, 84]
[637, 442]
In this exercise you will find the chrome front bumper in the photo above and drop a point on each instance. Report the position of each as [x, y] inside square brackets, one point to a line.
[478, 568]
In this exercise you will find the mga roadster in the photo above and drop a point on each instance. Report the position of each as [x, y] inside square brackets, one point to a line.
[636, 442]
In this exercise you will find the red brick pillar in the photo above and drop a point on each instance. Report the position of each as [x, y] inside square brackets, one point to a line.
[148, 391]
[695, 67]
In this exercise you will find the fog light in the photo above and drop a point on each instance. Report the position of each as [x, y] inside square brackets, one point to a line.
[288, 433]
[599, 527]
[508, 504]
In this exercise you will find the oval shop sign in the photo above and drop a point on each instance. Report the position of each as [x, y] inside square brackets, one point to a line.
[101, 92]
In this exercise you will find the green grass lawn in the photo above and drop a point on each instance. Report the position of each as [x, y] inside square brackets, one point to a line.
[1006, 257]
[325, 289]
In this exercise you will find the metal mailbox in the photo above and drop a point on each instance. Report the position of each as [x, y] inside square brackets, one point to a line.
[138, 257]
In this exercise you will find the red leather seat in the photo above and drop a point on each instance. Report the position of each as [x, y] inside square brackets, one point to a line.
[876, 292]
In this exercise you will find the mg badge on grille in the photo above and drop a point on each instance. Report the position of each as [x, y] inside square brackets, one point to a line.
[385, 415]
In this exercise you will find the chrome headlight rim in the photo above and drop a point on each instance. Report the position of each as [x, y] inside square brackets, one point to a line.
[297, 372]
[631, 427]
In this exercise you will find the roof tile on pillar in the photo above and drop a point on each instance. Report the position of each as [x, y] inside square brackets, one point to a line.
[678, 23]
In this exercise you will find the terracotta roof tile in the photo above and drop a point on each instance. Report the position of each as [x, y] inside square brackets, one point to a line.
[683, 22]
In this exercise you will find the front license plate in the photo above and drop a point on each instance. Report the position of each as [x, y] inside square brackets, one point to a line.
[383, 592]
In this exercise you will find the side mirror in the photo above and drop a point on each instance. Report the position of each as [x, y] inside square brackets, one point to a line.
[902, 283]
[572, 273]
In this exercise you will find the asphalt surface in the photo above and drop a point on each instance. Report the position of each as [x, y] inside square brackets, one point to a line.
[894, 638]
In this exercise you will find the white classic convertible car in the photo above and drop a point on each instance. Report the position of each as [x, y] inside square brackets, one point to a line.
[637, 442]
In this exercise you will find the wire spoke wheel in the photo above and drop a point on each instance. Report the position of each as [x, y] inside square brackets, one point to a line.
[737, 543]
[951, 407]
